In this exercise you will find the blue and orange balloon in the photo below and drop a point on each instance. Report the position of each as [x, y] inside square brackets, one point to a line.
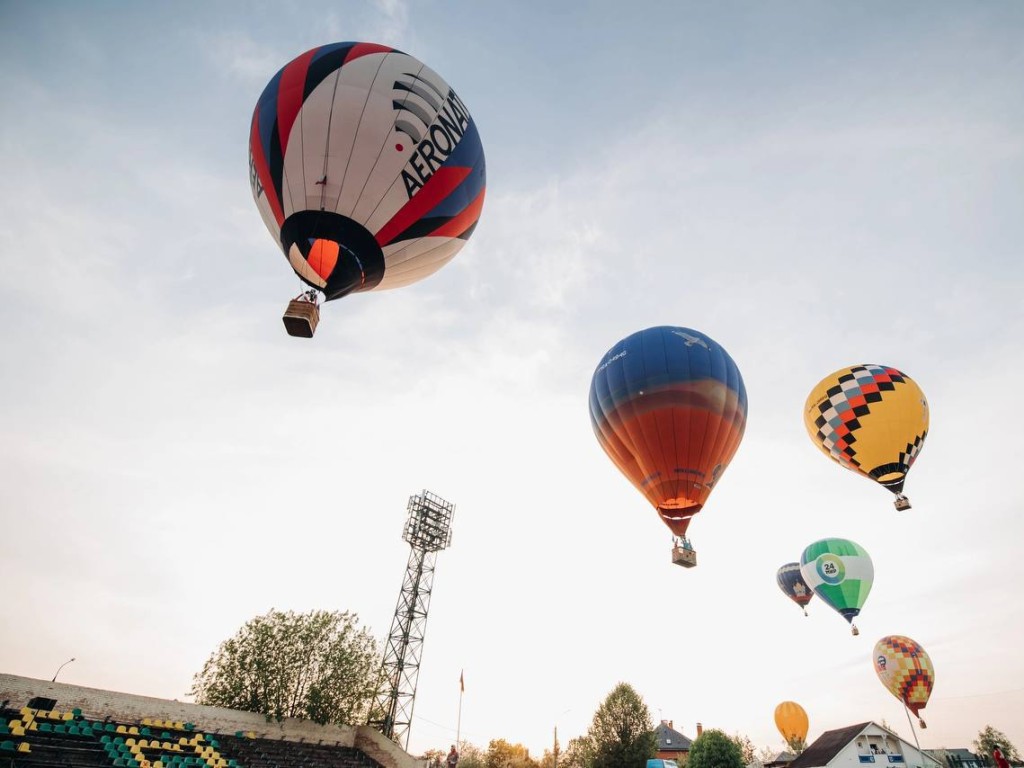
[669, 409]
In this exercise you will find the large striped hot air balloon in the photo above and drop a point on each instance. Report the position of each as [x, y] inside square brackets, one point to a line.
[841, 573]
[871, 419]
[669, 408]
[791, 720]
[906, 670]
[366, 167]
[793, 586]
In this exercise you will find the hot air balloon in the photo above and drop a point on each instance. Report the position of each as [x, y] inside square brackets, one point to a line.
[871, 419]
[791, 720]
[669, 408]
[792, 584]
[840, 572]
[367, 169]
[906, 670]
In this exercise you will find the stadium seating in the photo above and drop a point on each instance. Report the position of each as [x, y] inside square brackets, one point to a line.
[31, 738]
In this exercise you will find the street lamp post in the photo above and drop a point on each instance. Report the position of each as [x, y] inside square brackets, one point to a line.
[554, 748]
[54, 680]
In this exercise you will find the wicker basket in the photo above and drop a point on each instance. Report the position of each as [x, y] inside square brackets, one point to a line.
[684, 557]
[301, 318]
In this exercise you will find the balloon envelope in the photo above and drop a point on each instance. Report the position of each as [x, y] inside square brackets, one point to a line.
[366, 167]
[793, 586]
[905, 669]
[791, 720]
[669, 408]
[840, 572]
[871, 419]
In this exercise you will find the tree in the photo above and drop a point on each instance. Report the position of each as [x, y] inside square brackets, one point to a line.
[578, 753]
[471, 756]
[434, 758]
[796, 744]
[621, 734]
[766, 754]
[989, 738]
[318, 665]
[501, 754]
[713, 749]
[747, 748]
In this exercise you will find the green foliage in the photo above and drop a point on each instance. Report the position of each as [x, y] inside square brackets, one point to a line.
[470, 756]
[621, 734]
[578, 753]
[989, 738]
[713, 749]
[501, 754]
[319, 665]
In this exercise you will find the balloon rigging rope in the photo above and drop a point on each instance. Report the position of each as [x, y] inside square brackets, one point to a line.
[384, 143]
[355, 134]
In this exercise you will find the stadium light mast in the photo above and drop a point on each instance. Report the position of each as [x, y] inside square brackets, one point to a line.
[428, 530]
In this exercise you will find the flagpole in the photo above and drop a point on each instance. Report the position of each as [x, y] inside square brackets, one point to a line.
[911, 722]
[458, 727]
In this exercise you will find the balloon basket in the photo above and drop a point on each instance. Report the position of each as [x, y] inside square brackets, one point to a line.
[902, 503]
[301, 317]
[684, 556]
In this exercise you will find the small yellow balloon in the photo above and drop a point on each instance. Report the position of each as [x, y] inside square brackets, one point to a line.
[791, 720]
[871, 419]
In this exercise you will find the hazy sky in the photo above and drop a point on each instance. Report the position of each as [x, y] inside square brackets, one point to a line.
[812, 184]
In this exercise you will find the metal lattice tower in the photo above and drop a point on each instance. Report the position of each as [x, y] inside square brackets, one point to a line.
[428, 530]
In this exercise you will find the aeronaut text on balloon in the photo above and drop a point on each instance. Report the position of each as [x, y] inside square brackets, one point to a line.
[441, 139]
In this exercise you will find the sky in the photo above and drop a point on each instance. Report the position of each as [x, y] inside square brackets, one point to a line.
[812, 184]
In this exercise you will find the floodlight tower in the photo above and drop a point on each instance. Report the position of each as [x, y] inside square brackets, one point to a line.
[428, 530]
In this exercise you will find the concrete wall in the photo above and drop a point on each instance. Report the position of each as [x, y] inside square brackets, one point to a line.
[130, 709]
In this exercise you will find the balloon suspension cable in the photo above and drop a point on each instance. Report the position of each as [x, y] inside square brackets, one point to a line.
[905, 709]
[311, 295]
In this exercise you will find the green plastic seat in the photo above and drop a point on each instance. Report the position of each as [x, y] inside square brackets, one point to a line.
[7, 746]
[45, 728]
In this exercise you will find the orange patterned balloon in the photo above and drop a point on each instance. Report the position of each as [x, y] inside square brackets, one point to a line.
[791, 720]
[906, 670]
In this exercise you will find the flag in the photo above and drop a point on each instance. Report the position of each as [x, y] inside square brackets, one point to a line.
[462, 681]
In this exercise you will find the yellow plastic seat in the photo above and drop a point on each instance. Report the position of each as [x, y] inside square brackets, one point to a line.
[24, 747]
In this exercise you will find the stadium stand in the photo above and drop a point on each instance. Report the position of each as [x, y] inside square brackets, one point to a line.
[56, 725]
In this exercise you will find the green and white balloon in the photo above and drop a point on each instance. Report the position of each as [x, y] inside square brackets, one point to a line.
[841, 573]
